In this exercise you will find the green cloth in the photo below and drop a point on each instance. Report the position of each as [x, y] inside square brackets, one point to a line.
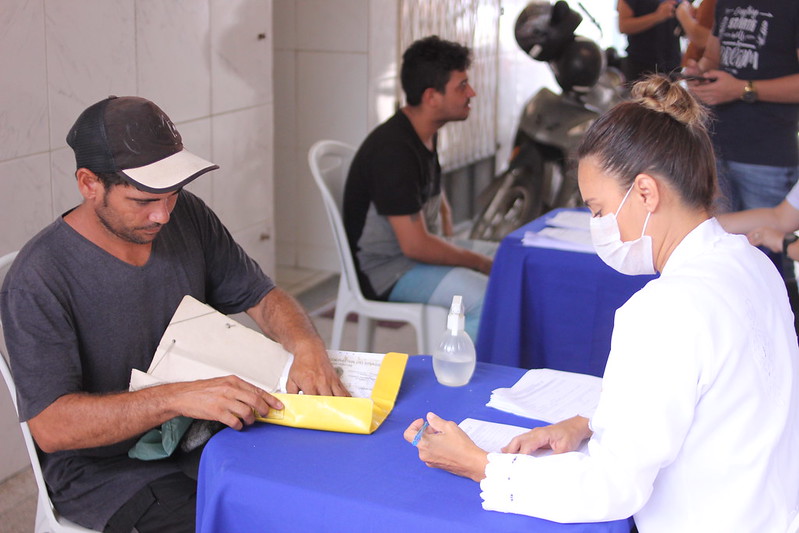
[162, 441]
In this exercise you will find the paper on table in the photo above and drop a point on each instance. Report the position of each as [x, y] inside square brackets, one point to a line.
[567, 230]
[571, 219]
[572, 240]
[357, 371]
[492, 437]
[549, 395]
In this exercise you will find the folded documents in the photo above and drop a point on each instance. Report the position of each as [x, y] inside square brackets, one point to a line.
[567, 230]
[549, 395]
[363, 414]
[572, 219]
[201, 343]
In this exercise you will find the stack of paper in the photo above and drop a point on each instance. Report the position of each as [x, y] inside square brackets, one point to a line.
[567, 230]
[549, 395]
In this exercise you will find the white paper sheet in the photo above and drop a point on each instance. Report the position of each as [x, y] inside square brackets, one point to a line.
[357, 371]
[567, 230]
[579, 220]
[492, 437]
[549, 395]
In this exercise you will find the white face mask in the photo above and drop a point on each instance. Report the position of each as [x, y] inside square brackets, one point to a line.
[631, 257]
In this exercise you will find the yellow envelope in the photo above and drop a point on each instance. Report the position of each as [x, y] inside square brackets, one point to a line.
[347, 415]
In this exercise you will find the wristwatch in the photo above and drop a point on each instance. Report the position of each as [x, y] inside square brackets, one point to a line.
[788, 240]
[750, 93]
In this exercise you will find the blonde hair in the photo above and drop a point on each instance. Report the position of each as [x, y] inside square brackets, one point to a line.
[661, 95]
[662, 131]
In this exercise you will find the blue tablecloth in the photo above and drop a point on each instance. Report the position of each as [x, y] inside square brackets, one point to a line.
[273, 478]
[549, 308]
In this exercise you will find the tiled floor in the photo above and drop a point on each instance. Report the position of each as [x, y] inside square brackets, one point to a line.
[315, 290]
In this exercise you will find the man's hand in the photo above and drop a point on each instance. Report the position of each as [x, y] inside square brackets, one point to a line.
[444, 445]
[726, 88]
[565, 436]
[228, 399]
[665, 10]
[692, 68]
[484, 264]
[312, 373]
[283, 319]
[768, 237]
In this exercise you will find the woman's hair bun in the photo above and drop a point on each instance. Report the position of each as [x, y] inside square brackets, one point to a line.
[660, 94]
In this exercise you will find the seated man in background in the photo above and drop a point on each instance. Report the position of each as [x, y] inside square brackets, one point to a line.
[395, 211]
[89, 298]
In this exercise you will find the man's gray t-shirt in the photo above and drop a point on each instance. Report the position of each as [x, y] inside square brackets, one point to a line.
[77, 319]
[392, 174]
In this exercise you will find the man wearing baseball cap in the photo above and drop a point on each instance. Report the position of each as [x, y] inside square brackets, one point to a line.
[89, 298]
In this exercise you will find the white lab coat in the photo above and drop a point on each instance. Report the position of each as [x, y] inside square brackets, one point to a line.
[697, 427]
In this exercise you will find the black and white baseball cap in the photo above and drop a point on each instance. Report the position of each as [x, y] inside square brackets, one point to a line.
[134, 138]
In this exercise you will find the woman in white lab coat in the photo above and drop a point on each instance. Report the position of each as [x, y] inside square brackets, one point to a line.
[697, 427]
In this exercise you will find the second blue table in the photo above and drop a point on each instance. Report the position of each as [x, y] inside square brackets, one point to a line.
[549, 308]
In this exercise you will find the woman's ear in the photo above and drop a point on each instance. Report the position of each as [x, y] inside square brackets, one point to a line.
[649, 190]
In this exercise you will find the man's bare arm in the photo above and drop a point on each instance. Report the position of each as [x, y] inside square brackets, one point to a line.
[629, 24]
[420, 245]
[83, 420]
[283, 319]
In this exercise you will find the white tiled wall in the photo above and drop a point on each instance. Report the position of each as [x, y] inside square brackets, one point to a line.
[207, 63]
[329, 64]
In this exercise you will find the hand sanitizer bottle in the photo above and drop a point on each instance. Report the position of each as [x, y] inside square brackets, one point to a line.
[455, 358]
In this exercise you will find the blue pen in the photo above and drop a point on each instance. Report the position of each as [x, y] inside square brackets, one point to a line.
[418, 436]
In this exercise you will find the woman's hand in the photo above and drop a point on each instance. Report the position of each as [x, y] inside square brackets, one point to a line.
[444, 445]
[565, 436]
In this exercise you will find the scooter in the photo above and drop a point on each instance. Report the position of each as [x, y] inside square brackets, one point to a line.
[539, 177]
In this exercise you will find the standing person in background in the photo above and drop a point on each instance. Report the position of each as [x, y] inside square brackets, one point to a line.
[752, 59]
[653, 43]
[697, 23]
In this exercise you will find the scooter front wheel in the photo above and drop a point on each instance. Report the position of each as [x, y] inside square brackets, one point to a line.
[512, 204]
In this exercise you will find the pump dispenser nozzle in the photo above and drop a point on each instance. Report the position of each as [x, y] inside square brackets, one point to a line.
[455, 319]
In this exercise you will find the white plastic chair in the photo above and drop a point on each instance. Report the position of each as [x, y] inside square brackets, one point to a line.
[330, 163]
[47, 518]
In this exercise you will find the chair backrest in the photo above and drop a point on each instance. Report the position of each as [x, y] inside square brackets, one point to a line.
[330, 162]
[46, 515]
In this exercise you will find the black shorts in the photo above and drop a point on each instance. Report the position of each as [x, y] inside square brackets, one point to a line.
[167, 505]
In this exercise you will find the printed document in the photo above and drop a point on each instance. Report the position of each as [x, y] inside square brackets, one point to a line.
[357, 371]
[492, 437]
[549, 395]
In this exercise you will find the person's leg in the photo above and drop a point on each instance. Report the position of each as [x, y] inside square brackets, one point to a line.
[436, 285]
[728, 200]
[760, 185]
[167, 505]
